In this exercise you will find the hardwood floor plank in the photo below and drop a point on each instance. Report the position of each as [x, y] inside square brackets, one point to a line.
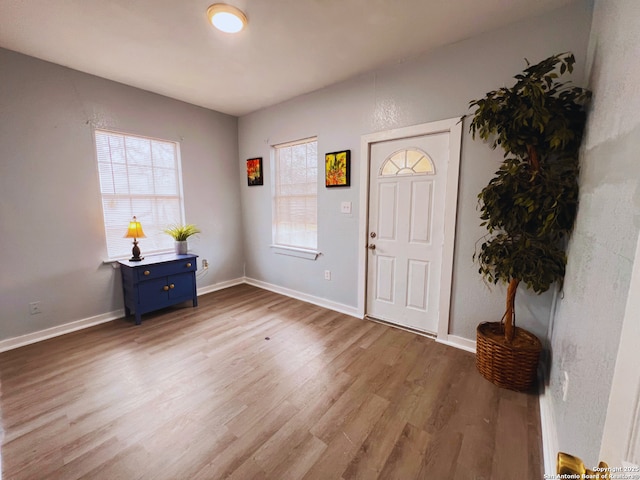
[254, 385]
[28, 450]
[84, 463]
[128, 464]
[407, 457]
[377, 447]
[342, 449]
[345, 408]
[202, 449]
[477, 420]
[241, 449]
[441, 457]
[296, 430]
[299, 460]
[508, 461]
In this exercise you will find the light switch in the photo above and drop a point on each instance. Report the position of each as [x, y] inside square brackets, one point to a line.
[345, 207]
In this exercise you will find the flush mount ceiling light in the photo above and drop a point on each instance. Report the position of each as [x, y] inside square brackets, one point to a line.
[226, 18]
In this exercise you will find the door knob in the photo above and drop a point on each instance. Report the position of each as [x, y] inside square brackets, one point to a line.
[372, 247]
[570, 465]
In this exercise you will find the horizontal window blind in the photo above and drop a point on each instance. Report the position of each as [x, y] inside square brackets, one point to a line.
[295, 212]
[138, 176]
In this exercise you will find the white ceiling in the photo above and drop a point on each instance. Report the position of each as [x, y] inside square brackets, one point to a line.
[290, 47]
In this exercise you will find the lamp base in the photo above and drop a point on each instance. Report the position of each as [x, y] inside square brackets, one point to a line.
[135, 251]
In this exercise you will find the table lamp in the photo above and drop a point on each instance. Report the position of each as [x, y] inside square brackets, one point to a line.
[135, 231]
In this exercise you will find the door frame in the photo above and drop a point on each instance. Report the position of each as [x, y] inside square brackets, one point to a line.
[452, 126]
[621, 434]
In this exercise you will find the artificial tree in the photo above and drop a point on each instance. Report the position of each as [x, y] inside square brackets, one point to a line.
[530, 205]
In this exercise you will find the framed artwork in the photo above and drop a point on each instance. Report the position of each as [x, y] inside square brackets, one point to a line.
[254, 171]
[337, 169]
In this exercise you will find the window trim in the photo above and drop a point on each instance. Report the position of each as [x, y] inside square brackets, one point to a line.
[295, 252]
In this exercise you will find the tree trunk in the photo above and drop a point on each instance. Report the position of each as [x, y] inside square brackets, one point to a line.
[510, 314]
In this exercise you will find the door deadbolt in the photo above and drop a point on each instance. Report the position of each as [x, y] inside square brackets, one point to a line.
[372, 234]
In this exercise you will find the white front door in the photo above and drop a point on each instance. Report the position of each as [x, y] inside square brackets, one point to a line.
[407, 191]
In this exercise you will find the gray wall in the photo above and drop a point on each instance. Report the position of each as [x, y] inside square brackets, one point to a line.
[51, 227]
[428, 88]
[586, 329]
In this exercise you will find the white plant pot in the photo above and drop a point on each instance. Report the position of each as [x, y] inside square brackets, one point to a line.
[181, 247]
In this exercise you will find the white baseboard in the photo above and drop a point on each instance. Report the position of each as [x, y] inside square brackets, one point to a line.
[29, 338]
[548, 429]
[458, 342]
[321, 302]
[220, 286]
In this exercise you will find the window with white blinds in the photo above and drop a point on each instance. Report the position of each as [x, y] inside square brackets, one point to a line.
[295, 212]
[138, 176]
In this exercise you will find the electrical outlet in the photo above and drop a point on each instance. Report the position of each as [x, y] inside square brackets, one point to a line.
[34, 308]
[205, 264]
[345, 207]
[565, 386]
[327, 274]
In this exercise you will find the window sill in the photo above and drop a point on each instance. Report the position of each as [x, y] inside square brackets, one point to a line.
[114, 261]
[295, 252]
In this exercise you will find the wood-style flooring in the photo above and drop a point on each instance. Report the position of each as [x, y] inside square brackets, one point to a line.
[254, 385]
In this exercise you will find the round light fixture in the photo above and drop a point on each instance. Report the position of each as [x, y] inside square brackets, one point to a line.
[226, 18]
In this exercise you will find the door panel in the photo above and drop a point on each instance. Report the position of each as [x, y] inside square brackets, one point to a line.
[418, 284]
[386, 268]
[387, 208]
[420, 214]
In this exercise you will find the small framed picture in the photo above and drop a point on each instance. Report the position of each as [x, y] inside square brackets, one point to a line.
[254, 171]
[337, 169]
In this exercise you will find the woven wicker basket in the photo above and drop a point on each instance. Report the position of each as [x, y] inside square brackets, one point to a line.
[513, 366]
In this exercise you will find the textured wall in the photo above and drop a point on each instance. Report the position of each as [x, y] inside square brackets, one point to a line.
[586, 329]
[432, 87]
[49, 187]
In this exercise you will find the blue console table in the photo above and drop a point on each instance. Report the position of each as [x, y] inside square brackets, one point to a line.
[158, 281]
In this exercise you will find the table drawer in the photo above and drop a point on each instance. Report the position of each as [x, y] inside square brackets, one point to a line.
[148, 272]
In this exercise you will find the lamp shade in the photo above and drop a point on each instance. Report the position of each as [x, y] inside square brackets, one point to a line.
[135, 229]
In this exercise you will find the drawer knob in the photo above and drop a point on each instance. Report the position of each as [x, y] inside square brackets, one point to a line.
[188, 265]
[147, 272]
[172, 286]
[166, 288]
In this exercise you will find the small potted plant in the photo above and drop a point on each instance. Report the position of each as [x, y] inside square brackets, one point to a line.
[529, 206]
[180, 234]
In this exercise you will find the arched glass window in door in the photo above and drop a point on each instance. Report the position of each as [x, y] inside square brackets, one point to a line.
[411, 161]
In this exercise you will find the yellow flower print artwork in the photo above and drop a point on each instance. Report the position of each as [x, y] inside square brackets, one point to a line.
[337, 168]
[254, 171]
